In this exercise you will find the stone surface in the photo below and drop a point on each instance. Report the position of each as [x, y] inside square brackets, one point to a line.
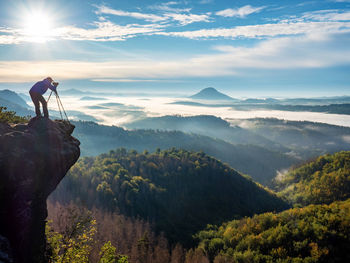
[34, 158]
[5, 251]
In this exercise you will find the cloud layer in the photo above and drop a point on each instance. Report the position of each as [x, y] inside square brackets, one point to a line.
[180, 15]
[264, 30]
[321, 21]
[239, 12]
[317, 39]
[310, 51]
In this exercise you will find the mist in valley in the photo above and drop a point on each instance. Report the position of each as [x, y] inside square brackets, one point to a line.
[121, 110]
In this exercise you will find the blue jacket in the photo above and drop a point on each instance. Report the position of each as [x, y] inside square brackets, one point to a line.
[42, 86]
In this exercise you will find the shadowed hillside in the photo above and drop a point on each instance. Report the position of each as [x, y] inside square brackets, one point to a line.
[179, 191]
[258, 162]
[209, 126]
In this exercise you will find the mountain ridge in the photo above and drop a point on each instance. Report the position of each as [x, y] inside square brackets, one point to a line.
[211, 93]
[13, 97]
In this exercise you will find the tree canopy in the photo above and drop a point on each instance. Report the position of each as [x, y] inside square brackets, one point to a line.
[316, 233]
[11, 117]
[178, 190]
[321, 181]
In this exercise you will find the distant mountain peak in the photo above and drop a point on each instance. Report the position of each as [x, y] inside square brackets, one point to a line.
[13, 97]
[73, 91]
[210, 93]
[210, 89]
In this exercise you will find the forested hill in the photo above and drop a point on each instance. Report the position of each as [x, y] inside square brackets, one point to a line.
[258, 162]
[322, 181]
[318, 232]
[180, 191]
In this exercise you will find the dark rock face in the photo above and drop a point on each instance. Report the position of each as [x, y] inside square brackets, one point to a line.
[5, 251]
[34, 158]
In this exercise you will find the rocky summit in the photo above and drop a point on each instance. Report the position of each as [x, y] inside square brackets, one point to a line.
[34, 158]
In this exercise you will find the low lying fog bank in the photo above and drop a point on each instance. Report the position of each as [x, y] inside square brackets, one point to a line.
[122, 110]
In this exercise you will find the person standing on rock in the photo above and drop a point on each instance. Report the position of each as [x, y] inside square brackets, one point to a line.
[37, 92]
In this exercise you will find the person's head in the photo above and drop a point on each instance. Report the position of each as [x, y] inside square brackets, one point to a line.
[49, 79]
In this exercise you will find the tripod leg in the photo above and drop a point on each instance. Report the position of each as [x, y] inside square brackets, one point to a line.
[49, 97]
[59, 108]
[63, 108]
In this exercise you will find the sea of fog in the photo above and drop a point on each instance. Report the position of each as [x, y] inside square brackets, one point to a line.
[121, 110]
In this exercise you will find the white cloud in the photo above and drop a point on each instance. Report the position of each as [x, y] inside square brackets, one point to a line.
[310, 51]
[185, 19]
[148, 17]
[305, 3]
[264, 30]
[102, 31]
[206, 1]
[168, 7]
[9, 39]
[239, 12]
[106, 31]
[171, 14]
[327, 15]
[9, 36]
[329, 21]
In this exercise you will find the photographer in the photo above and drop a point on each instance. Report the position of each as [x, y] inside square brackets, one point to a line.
[37, 92]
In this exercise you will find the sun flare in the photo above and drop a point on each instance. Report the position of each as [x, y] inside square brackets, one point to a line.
[38, 27]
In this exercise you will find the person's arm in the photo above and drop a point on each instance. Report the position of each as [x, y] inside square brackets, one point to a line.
[53, 86]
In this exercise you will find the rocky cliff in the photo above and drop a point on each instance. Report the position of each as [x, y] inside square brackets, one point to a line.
[34, 158]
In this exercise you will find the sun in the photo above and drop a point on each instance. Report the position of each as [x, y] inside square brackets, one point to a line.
[38, 27]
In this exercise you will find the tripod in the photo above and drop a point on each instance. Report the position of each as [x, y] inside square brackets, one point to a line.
[60, 105]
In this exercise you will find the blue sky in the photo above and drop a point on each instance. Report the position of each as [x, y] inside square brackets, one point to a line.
[244, 48]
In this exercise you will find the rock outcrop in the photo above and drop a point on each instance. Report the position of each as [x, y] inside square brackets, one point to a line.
[34, 158]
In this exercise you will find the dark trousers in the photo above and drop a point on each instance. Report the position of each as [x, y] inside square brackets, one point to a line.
[36, 98]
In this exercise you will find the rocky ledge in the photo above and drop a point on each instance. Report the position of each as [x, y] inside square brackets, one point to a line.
[34, 158]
